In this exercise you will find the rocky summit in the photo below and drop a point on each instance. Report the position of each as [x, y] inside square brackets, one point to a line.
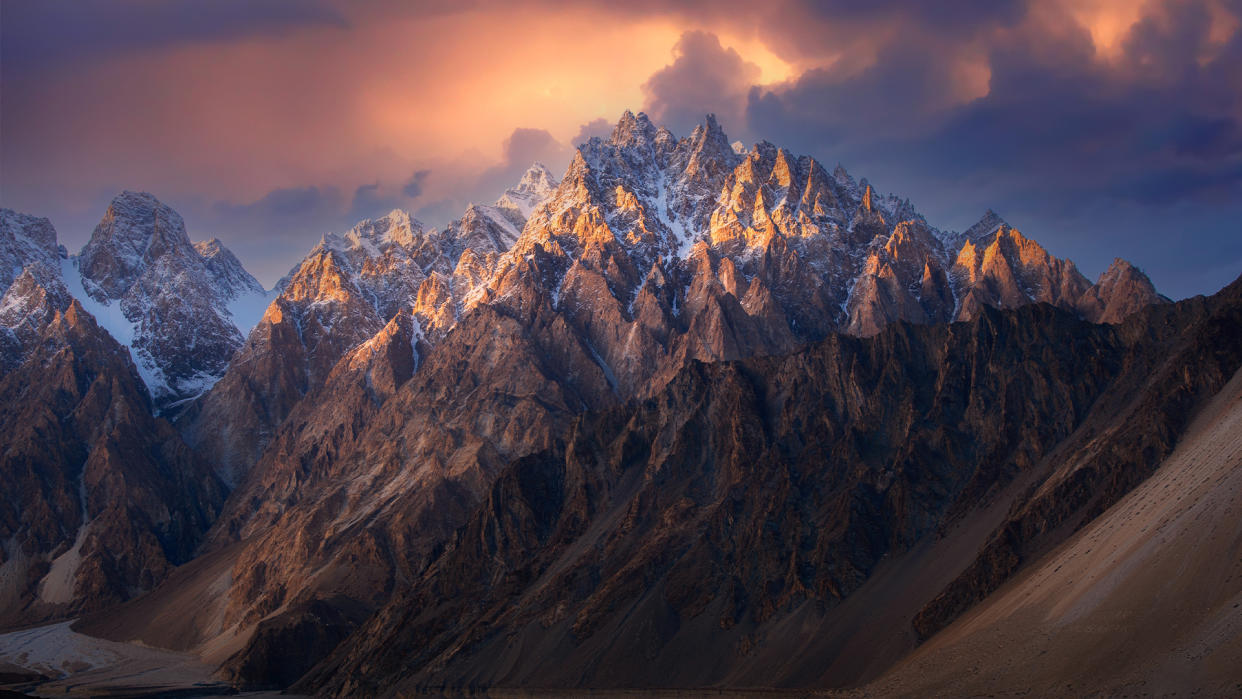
[693, 415]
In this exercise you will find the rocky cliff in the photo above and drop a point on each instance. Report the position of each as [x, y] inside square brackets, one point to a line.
[175, 305]
[102, 499]
[713, 533]
[682, 399]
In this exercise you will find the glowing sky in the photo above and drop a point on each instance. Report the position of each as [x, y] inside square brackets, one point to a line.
[1098, 127]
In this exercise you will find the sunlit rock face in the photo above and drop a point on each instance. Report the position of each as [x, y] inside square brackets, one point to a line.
[341, 294]
[1120, 291]
[336, 298]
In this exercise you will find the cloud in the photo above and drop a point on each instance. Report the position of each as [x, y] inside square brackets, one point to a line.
[414, 186]
[704, 77]
[521, 149]
[1100, 125]
[1053, 114]
[284, 203]
[600, 128]
[371, 201]
[43, 33]
[1095, 153]
[956, 15]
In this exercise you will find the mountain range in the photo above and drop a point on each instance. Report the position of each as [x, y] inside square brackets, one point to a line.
[694, 415]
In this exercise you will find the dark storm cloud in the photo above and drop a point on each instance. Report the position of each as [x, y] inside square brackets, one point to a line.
[414, 186]
[43, 33]
[1052, 108]
[955, 14]
[371, 201]
[1207, 137]
[600, 128]
[704, 77]
[1062, 137]
[283, 203]
[521, 149]
[897, 97]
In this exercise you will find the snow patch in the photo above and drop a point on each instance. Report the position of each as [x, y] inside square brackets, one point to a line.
[110, 318]
[416, 334]
[511, 231]
[683, 240]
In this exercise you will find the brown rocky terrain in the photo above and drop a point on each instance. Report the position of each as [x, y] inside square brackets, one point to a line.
[1140, 421]
[652, 252]
[338, 297]
[1143, 600]
[610, 422]
[102, 499]
[714, 533]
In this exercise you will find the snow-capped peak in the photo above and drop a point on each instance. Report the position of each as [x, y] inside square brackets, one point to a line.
[989, 224]
[24, 239]
[231, 277]
[633, 130]
[136, 229]
[536, 185]
[375, 235]
[180, 308]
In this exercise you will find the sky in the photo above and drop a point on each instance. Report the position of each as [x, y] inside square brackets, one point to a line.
[1100, 128]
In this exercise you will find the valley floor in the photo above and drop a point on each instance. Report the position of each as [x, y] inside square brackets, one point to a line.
[54, 660]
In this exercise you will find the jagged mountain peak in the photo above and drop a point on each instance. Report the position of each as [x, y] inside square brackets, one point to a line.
[145, 213]
[1120, 290]
[537, 179]
[1122, 272]
[709, 144]
[632, 129]
[846, 181]
[230, 276]
[710, 132]
[30, 302]
[35, 229]
[179, 307]
[537, 184]
[210, 247]
[369, 238]
[1119, 267]
[396, 227]
[987, 225]
[135, 229]
[24, 239]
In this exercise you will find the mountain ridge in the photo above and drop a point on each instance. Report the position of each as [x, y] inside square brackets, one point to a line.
[395, 377]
